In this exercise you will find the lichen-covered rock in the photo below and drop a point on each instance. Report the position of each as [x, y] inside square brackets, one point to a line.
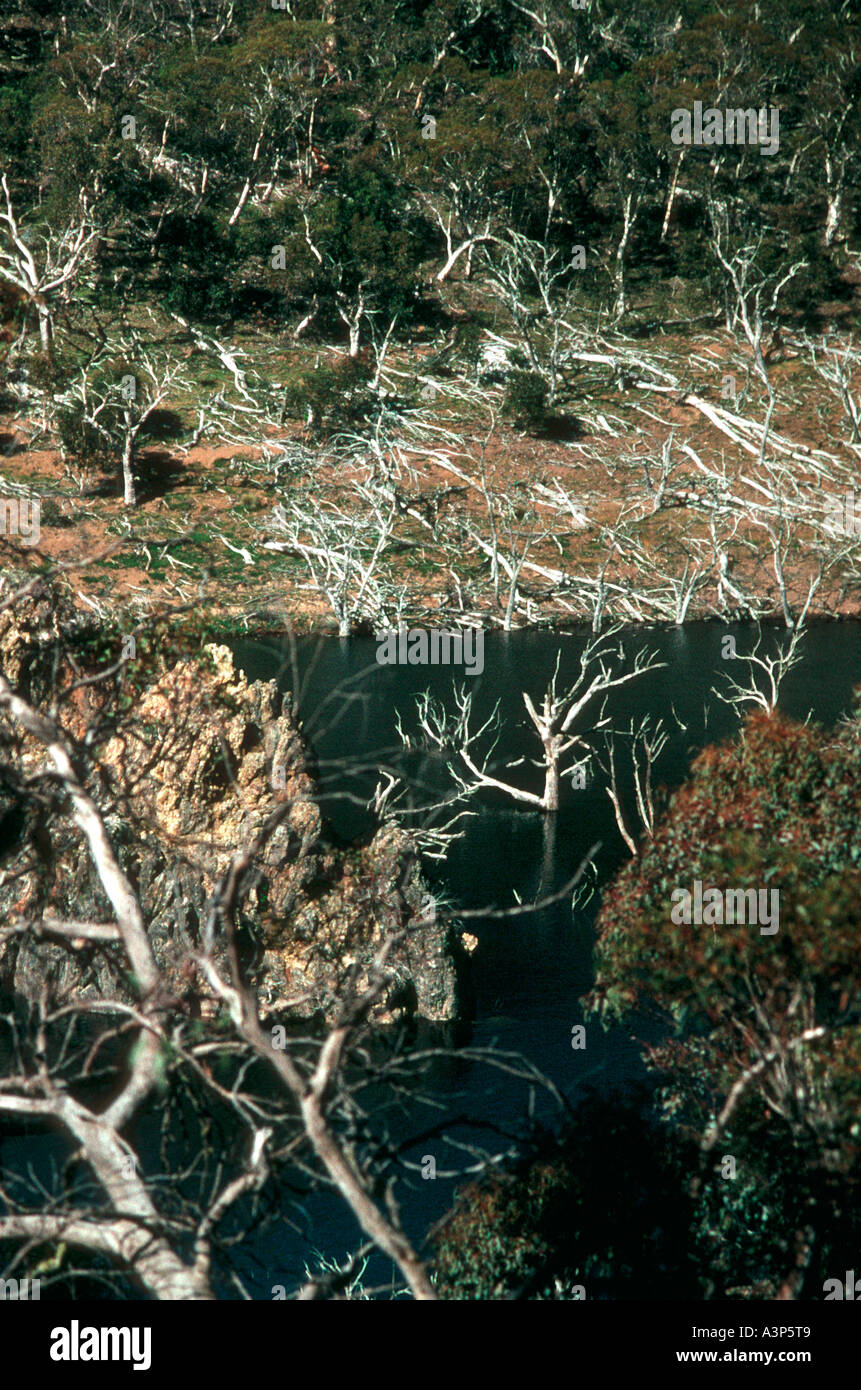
[195, 776]
[377, 890]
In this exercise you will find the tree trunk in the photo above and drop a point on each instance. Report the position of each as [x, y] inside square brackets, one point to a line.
[129, 494]
[672, 197]
[550, 798]
[620, 306]
[548, 856]
[629, 214]
[832, 220]
[46, 326]
[240, 202]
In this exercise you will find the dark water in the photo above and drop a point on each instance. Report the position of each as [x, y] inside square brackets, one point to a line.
[529, 972]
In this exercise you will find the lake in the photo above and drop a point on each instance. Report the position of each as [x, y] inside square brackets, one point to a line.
[529, 971]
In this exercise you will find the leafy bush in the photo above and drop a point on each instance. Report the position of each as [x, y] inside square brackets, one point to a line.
[526, 398]
[605, 1207]
[79, 439]
[624, 1205]
[627, 1207]
[329, 392]
[778, 809]
[198, 264]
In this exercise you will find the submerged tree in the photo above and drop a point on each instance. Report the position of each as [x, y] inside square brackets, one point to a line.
[738, 1174]
[566, 748]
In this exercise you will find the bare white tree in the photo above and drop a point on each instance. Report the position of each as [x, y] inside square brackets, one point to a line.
[647, 742]
[537, 284]
[43, 262]
[343, 550]
[841, 371]
[565, 749]
[753, 294]
[765, 674]
[118, 392]
[122, 1215]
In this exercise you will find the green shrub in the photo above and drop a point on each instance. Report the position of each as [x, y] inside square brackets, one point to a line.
[625, 1205]
[526, 398]
[329, 393]
[605, 1207]
[777, 809]
[78, 438]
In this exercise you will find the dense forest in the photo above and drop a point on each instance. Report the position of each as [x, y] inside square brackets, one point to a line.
[525, 321]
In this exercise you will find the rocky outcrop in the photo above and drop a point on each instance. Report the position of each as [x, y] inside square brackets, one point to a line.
[196, 775]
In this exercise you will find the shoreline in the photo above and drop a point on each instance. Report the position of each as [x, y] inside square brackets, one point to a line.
[569, 629]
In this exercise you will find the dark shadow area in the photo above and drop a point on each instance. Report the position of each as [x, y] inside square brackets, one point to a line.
[621, 1205]
[560, 428]
[14, 443]
[157, 472]
[162, 425]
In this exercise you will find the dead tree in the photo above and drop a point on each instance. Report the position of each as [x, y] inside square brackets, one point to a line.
[537, 285]
[753, 294]
[117, 393]
[146, 1230]
[566, 750]
[841, 371]
[343, 550]
[765, 674]
[647, 742]
[44, 273]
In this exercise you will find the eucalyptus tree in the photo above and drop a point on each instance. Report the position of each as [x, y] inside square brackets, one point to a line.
[343, 546]
[538, 285]
[619, 115]
[771, 1021]
[363, 244]
[114, 400]
[41, 261]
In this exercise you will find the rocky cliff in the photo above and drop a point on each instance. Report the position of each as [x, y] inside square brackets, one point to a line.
[190, 774]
